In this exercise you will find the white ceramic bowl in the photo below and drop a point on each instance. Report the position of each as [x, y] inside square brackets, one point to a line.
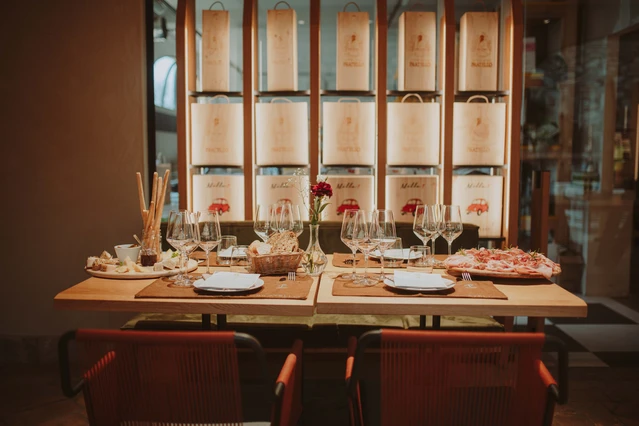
[123, 251]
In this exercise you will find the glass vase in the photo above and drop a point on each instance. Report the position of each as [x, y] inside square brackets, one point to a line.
[314, 260]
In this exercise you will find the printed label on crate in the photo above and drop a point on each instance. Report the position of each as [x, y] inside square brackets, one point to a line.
[278, 190]
[405, 193]
[221, 193]
[480, 199]
[349, 192]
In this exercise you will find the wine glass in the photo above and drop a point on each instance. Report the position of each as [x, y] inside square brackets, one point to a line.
[419, 226]
[363, 241]
[298, 223]
[262, 222]
[275, 214]
[176, 235]
[451, 225]
[192, 241]
[348, 222]
[432, 223]
[210, 234]
[383, 233]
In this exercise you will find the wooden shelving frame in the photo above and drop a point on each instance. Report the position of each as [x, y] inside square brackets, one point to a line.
[511, 92]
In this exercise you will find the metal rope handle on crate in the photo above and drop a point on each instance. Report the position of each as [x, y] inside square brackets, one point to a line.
[277, 4]
[281, 99]
[412, 95]
[228, 101]
[353, 3]
[348, 99]
[217, 2]
[478, 97]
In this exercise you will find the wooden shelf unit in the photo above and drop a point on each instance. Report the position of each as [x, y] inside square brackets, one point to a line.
[511, 91]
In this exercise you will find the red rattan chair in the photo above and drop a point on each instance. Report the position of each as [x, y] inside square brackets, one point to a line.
[163, 378]
[452, 378]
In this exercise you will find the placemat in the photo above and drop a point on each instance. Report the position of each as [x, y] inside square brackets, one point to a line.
[344, 260]
[462, 289]
[199, 255]
[275, 287]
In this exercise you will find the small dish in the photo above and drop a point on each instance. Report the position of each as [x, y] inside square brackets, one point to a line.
[131, 251]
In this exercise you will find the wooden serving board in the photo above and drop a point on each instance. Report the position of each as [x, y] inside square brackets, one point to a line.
[190, 266]
[493, 274]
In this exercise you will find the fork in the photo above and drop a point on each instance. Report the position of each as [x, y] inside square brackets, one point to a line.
[291, 276]
[466, 276]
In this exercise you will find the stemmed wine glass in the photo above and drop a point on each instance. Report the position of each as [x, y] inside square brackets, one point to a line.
[210, 234]
[451, 225]
[363, 241]
[192, 241]
[432, 223]
[348, 223]
[419, 224]
[179, 233]
[383, 233]
[291, 219]
[262, 222]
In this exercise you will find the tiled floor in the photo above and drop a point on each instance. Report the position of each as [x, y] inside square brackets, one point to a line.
[604, 378]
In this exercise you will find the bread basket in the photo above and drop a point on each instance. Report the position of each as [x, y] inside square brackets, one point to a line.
[273, 264]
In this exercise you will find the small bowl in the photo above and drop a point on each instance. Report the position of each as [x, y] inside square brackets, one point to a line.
[131, 251]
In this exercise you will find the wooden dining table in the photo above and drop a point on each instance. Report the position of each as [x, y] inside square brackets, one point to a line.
[533, 300]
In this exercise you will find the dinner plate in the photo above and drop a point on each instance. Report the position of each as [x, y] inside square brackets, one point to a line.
[395, 254]
[259, 283]
[449, 284]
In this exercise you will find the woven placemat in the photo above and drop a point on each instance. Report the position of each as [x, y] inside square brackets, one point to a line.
[275, 287]
[462, 289]
[344, 260]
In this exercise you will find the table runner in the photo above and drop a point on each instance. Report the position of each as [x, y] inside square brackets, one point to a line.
[462, 289]
[272, 289]
[344, 260]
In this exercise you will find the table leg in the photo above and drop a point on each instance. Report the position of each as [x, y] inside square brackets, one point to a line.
[221, 321]
[535, 325]
[507, 322]
[206, 321]
[437, 322]
[422, 322]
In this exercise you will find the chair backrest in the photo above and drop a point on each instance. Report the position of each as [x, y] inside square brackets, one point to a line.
[455, 378]
[133, 377]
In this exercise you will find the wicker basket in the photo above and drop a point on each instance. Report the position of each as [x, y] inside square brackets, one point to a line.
[272, 264]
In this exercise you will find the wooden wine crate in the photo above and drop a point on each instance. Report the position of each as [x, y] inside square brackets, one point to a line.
[413, 133]
[417, 51]
[281, 49]
[405, 193]
[223, 193]
[349, 192]
[281, 133]
[281, 190]
[478, 51]
[216, 62]
[348, 133]
[353, 51]
[479, 133]
[480, 199]
[217, 134]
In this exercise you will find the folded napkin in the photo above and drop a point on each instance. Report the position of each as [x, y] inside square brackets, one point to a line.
[227, 280]
[405, 279]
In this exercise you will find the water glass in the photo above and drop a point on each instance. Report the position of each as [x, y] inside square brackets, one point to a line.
[239, 259]
[225, 249]
[419, 257]
[394, 255]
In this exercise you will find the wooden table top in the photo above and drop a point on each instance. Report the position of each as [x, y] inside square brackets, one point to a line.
[524, 299]
[535, 300]
[100, 294]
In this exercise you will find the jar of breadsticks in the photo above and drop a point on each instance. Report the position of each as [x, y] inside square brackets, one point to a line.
[151, 251]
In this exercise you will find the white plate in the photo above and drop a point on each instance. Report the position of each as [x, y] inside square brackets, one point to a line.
[394, 254]
[449, 284]
[259, 283]
[191, 266]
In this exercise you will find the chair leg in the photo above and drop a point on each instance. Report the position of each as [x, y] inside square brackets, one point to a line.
[535, 324]
[221, 321]
[422, 322]
[206, 321]
[437, 322]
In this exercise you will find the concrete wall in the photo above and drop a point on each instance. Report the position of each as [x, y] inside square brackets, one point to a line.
[72, 85]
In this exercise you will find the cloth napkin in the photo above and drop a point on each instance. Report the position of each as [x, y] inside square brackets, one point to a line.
[227, 280]
[405, 279]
